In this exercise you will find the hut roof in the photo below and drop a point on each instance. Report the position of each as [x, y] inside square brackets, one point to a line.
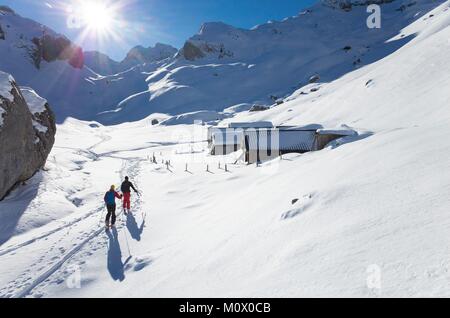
[284, 140]
[256, 124]
[337, 131]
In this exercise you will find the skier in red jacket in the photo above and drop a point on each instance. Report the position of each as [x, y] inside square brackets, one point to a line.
[126, 190]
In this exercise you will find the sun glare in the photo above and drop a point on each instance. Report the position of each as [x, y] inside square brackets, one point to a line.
[97, 16]
[98, 21]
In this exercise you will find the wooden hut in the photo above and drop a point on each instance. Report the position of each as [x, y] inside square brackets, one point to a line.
[265, 144]
[226, 142]
[237, 125]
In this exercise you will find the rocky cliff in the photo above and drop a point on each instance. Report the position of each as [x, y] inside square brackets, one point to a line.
[27, 133]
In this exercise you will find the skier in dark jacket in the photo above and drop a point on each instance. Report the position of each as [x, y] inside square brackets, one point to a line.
[110, 200]
[126, 190]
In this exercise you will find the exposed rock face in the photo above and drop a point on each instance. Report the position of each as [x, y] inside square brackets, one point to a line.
[2, 33]
[258, 108]
[50, 49]
[35, 41]
[6, 9]
[216, 40]
[191, 52]
[27, 133]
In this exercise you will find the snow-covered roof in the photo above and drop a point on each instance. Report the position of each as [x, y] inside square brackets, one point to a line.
[285, 140]
[257, 124]
[36, 104]
[343, 130]
[306, 127]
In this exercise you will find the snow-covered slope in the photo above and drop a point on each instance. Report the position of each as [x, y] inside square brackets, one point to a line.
[371, 216]
[141, 55]
[223, 66]
[46, 61]
[218, 68]
[103, 64]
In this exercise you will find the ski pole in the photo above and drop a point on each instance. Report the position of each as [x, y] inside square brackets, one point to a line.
[128, 245]
[101, 217]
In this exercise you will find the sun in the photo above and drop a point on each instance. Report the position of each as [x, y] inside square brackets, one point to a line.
[97, 16]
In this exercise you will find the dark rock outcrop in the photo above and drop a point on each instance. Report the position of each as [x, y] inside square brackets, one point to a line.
[27, 133]
[258, 108]
[191, 52]
[347, 5]
[314, 79]
[2, 33]
[6, 9]
[50, 49]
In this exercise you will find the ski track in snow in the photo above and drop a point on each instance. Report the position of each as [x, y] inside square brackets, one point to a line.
[43, 236]
[26, 283]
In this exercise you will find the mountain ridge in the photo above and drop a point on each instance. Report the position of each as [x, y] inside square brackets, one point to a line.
[220, 66]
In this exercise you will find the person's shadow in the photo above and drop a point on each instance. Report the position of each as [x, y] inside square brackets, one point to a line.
[115, 264]
[133, 228]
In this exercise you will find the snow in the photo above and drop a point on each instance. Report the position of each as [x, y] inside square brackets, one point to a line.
[240, 67]
[261, 124]
[6, 87]
[39, 127]
[376, 202]
[36, 104]
[200, 116]
[238, 108]
[342, 131]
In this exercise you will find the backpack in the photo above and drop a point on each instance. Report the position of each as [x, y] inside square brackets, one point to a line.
[110, 197]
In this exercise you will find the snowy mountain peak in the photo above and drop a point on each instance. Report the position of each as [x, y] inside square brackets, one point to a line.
[4, 10]
[104, 65]
[140, 54]
[37, 43]
[215, 28]
[213, 40]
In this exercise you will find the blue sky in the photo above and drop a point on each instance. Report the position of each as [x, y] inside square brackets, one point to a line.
[146, 22]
